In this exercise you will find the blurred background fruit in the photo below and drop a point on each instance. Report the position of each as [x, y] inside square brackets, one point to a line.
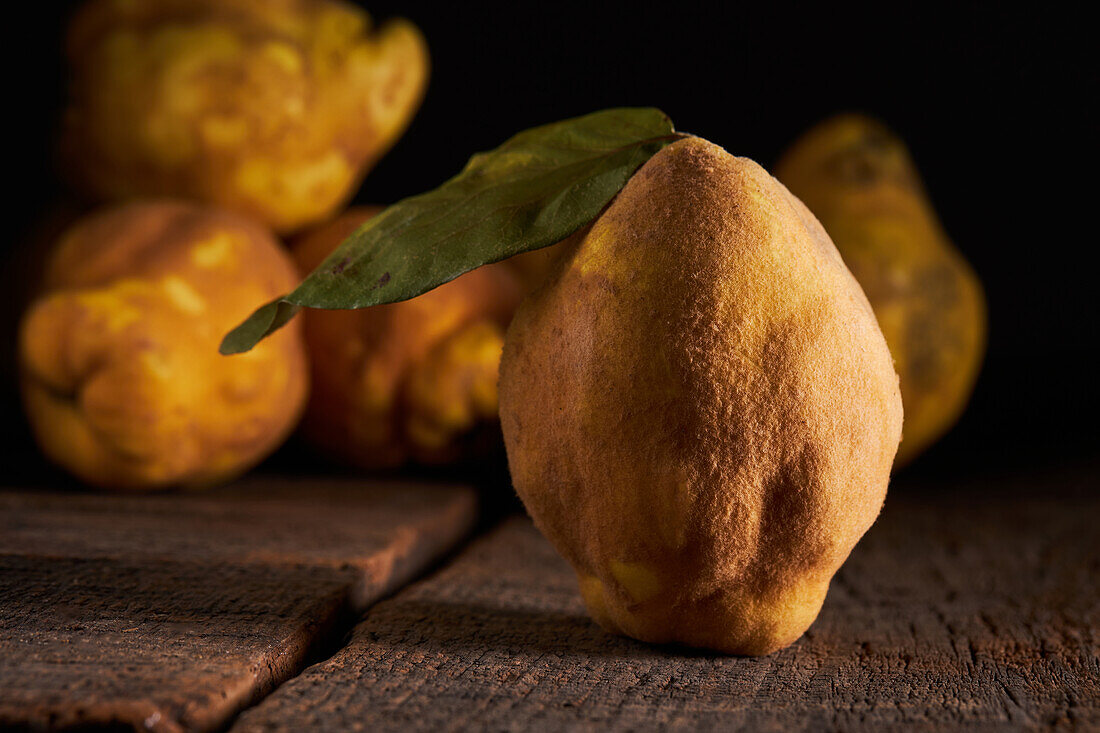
[272, 108]
[979, 151]
[121, 376]
[532, 268]
[414, 380]
[858, 178]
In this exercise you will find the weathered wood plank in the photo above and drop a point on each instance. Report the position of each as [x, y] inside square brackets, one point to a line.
[174, 611]
[975, 607]
[381, 530]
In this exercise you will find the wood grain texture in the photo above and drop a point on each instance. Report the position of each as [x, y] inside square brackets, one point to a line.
[974, 608]
[172, 612]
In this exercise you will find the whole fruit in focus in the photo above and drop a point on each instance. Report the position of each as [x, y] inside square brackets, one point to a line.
[410, 380]
[859, 180]
[699, 409]
[121, 376]
[273, 108]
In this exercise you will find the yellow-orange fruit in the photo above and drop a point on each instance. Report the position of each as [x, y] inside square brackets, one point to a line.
[121, 376]
[699, 409]
[410, 380]
[273, 108]
[860, 181]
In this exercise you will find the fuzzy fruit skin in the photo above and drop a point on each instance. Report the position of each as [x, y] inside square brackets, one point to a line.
[413, 380]
[860, 181]
[121, 376]
[272, 108]
[699, 409]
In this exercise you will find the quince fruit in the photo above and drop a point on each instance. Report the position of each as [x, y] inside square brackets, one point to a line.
[121, 376]
[273, 108]
[410, 380]
[699, 409]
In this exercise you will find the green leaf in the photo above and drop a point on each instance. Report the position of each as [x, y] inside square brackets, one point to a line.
[533, 191]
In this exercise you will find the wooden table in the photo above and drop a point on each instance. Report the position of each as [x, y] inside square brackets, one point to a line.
[968, 605]
[173, 612]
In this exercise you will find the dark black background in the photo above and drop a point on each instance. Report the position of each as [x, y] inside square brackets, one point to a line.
[993, 102]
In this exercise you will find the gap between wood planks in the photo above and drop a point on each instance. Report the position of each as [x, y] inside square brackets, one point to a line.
[334, 639]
